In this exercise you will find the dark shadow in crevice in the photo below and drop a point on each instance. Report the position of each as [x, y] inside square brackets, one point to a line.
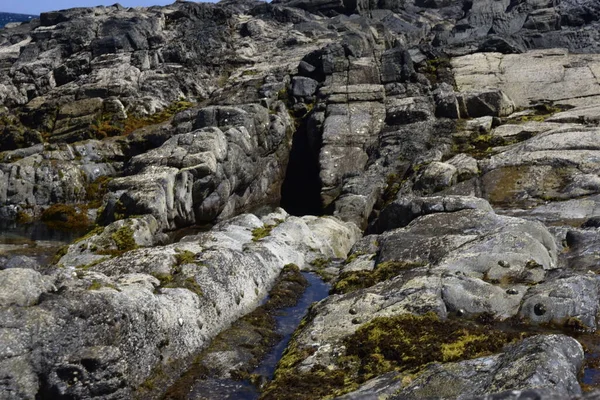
[301, 189]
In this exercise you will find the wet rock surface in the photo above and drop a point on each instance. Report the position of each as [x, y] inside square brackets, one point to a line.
[453, 146]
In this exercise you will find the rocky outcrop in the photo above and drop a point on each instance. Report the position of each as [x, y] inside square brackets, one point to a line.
[232, 160]
[103, 328]
[519, 368]
[460, 136]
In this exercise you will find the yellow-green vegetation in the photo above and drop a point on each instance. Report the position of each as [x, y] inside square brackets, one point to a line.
[176, 278]
[107, 126]
[283, 95]
[354, 280]
[123, 238]
[542, 111]
[95, 231]
[264, 231]
[60, 253]
[404, 343]
[97, 285]
[120, 211]
[65, 217]
[408, 342]
[183, 257]
[435, 68]
[353, 257]
[478, 145]
[250, 72]
[23, 217]
[289, 286]
[319, 265]
[393, 185]
[96, 190]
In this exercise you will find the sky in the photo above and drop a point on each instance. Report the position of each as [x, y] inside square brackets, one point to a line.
[38, 6]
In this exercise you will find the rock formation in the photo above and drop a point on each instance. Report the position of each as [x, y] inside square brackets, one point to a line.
[437, 161]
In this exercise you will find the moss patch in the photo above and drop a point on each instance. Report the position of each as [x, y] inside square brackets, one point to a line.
[409, 342]
[542, 111]
[123, 242]
[65, 217]
[438, 70]
[96, 190]
[183, 257]
[107, 126]
[264, 231]
[123, 239]
[351, 281]
[404, 343]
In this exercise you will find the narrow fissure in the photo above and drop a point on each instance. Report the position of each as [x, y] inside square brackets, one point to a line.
[301, 189]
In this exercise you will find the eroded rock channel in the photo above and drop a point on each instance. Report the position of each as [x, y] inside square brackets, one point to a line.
[436, 162]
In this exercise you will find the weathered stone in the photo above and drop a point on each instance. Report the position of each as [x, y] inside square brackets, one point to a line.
[436, 176]
[446, 103]
[492, 102]
[22, 287]
[303, 87]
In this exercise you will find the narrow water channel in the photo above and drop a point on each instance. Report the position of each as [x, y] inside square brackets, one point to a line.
[288, 320]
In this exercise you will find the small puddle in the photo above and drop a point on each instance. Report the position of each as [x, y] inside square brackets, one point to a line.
[35, 240]
[287, 320]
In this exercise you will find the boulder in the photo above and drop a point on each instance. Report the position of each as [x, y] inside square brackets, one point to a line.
[491, 102]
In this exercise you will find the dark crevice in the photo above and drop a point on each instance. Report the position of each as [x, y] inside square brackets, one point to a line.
[301, 190]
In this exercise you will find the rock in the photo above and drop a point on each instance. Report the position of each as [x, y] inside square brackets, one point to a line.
[21, 262]
[582, 114]
[228, 162]
[530, 363]
[484, 103]
[397, 66]
[436, 176]
[466, 166]
[407, 110]
[402, 211]
[303, 87]
[529, 78]
[562, 301]
[525, 170]
[172, 299]
[481, 125]
[446, 104]
[22, 287]
[410, 119]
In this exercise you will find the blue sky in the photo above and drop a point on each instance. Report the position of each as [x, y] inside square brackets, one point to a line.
[38, 6]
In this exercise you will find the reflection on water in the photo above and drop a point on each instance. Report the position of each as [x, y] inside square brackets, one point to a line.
[34, 240]
[289, 320]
